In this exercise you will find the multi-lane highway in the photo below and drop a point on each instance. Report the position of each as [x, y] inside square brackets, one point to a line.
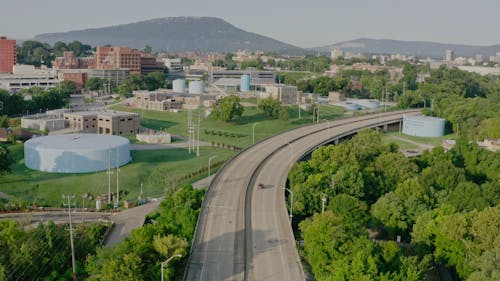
[244, 233]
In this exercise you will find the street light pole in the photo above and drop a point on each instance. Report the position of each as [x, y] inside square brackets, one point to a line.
[209, 161]
[291, 202]
[323, 201]
[165, 263]
[253, 132]
[71, 235]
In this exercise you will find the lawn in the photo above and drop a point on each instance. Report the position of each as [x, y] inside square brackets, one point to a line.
[437, 141]
[153, 168]
[176, 123]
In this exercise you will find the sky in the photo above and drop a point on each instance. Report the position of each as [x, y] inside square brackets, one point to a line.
[305, 23]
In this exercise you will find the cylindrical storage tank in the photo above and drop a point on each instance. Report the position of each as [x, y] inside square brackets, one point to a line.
[423, 126]
[76, 153]
[245, 83]
[179, 86]
[196, 87]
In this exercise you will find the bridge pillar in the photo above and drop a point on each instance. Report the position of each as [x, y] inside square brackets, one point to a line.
[385, 128]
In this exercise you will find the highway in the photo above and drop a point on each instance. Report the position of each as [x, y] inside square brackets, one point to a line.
[244, 233]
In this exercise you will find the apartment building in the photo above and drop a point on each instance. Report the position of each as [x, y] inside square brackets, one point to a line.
[118, 57]
[7, 54]
[70, 61]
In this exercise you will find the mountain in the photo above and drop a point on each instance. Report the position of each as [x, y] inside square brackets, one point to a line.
[418, 48]
[176, 34]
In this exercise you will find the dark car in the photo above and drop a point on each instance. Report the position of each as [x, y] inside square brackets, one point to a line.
[260, 186]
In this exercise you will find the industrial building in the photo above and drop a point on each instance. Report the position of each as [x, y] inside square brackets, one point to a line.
[76, 153]
[257, 77]
[150, 65]
[103, 122]
[27, 76]
[423, 126]
[285, 94]
[115, 76]
[165, 100]
[8, 54]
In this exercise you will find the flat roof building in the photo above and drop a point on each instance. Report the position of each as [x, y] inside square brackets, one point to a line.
[118, 57]
[8, 54]
[27, 76]
[104, 122]
[257, 77]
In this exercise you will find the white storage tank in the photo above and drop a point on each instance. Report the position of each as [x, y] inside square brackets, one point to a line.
[423, 126]
[196, 87]
[179, 86]
[76, 153]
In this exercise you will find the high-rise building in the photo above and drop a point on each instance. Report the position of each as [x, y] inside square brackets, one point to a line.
[336, 53]
[450, 55]
[118, 57]
[7, 54]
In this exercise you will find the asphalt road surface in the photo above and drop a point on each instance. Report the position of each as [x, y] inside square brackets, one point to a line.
[244, 233]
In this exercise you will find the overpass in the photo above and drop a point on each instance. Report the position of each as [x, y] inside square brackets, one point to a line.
[244, 233]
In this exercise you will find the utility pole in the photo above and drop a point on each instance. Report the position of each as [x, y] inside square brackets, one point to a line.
[210, 162]
[83, 207]
[190, 117]
[117, 176]
[198, 142]
[110, 172]
[323, 201]
[71, 234]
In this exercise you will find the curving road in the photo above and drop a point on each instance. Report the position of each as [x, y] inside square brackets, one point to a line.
[243, 233]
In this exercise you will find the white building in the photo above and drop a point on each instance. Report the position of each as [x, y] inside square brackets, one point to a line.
[27, 76]
[336, 53]
[450, 55]
[174, 65]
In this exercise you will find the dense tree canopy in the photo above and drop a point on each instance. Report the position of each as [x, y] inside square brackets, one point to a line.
[228, 108]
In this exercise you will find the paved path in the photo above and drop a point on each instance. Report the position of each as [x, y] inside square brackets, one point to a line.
[128, 220]
[154, 146]
[203, 183]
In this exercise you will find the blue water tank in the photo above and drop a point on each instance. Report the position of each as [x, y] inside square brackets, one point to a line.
[423, 126]
[245, 83]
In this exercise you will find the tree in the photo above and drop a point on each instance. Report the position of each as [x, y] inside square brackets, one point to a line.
[228, 108]
[270, 107]
[5, 159]
[283, 113]
[66, 88]
[147, 49]
[154, 81]
[4, 121]
[94, 83]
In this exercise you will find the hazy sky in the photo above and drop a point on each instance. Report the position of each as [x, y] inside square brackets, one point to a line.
[305, 23]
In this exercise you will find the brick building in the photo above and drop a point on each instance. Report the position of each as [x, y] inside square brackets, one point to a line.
[118, 57]
[8, 54]
[77, 76]
[70, 61]
[150, 65]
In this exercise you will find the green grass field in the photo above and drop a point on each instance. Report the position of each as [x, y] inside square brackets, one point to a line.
[176, 123]
[153, 168]
[423, 140]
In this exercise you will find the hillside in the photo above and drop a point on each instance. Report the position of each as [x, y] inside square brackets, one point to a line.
[419, 48]
[176, 34]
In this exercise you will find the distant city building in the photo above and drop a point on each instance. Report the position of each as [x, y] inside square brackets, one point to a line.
[77, 76]
[497, 57]
[27, 76]
[449, 56]
[285, 94]
[336, 53]
[481, 70]
[150, 65]
[115, 76]
[70, 61]
[118, 57]
[257, 77]
[174, 65]
[7, 54]
[479, 58]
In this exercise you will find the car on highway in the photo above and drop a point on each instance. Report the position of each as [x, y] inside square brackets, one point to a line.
[260, 186]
